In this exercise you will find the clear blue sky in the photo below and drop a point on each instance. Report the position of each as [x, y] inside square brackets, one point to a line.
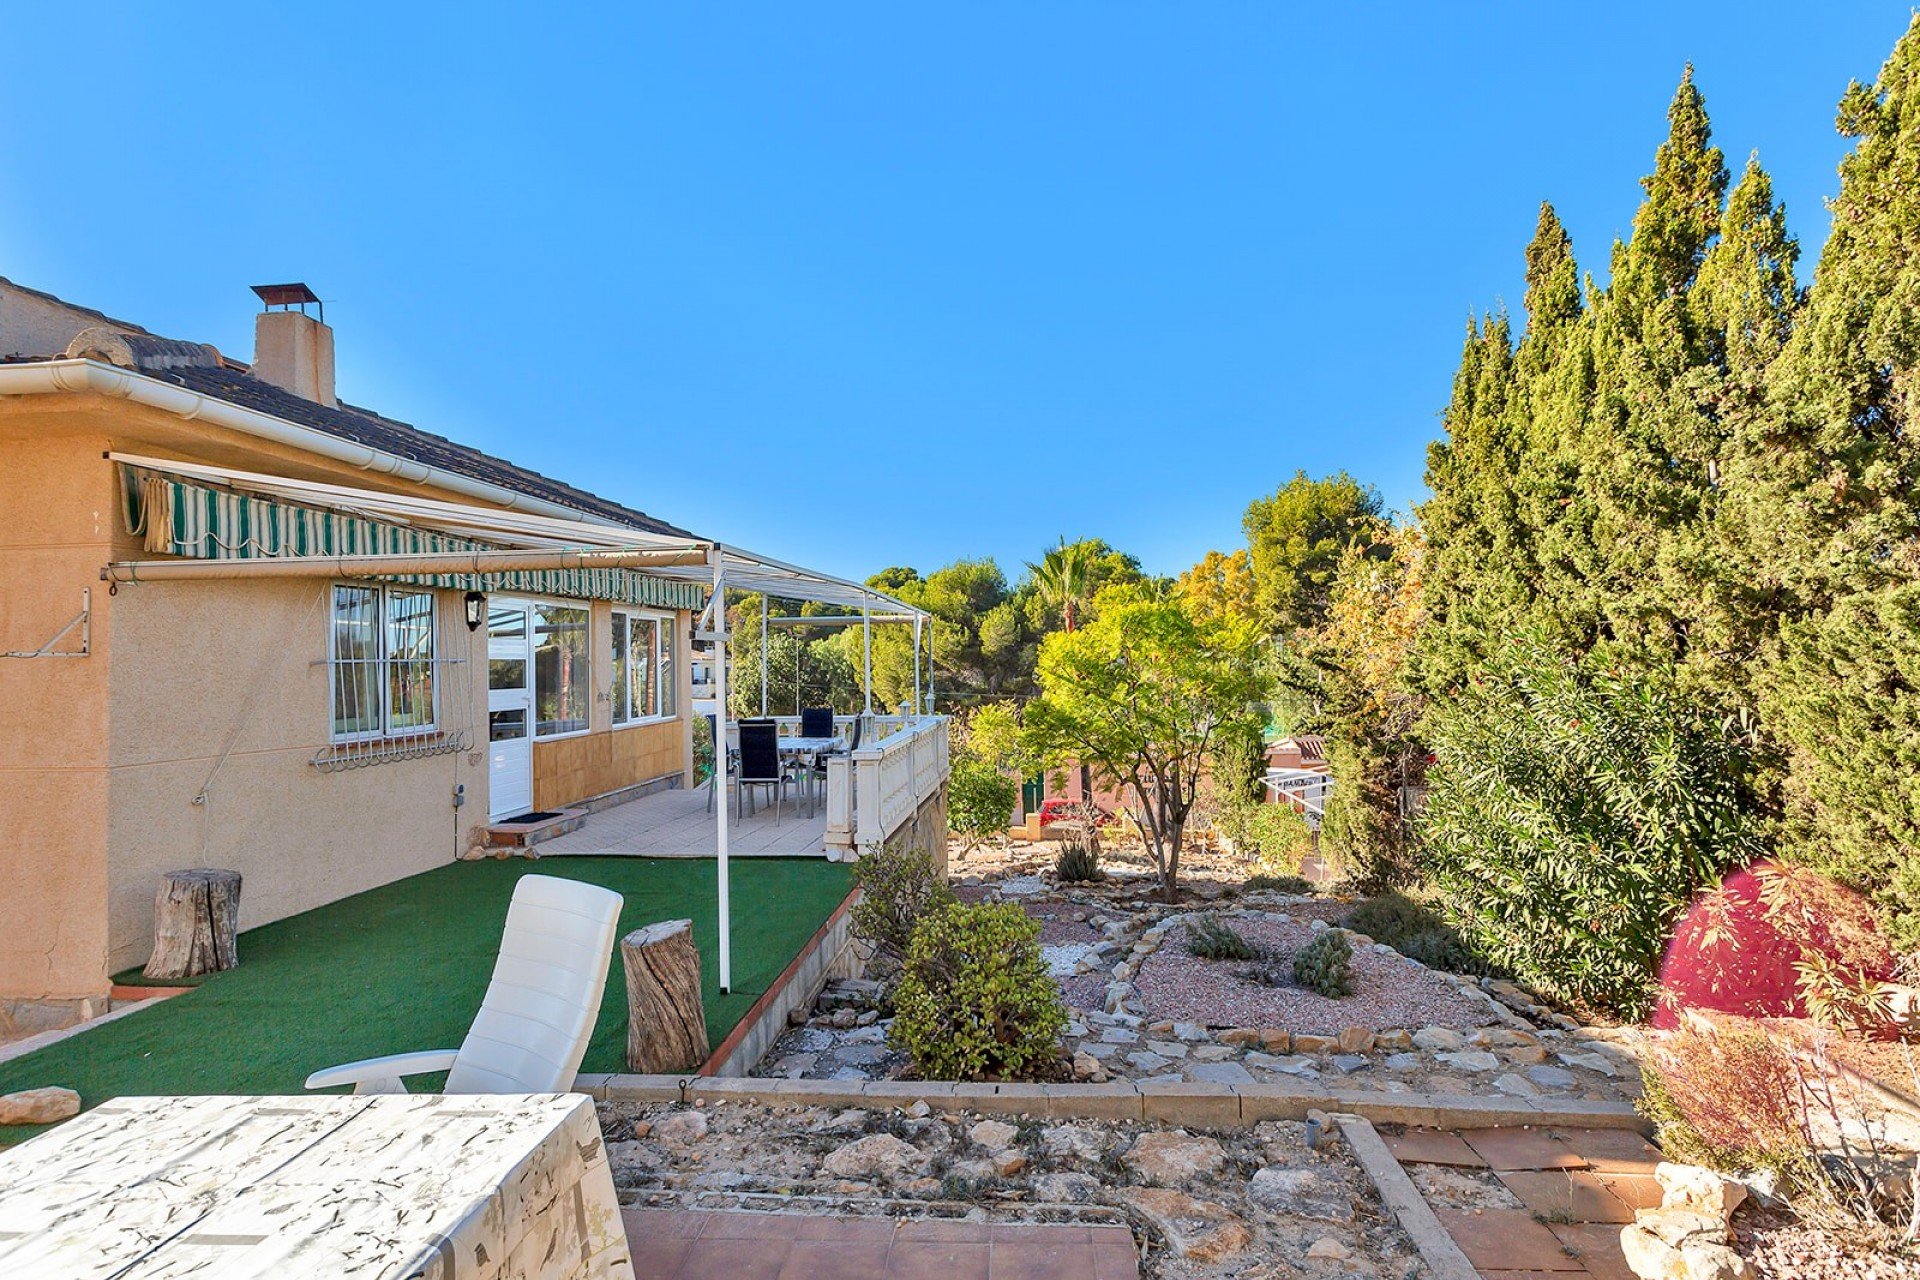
[1004, 272]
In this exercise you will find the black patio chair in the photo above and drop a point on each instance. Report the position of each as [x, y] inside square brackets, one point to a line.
[760, 762]
[816, 722]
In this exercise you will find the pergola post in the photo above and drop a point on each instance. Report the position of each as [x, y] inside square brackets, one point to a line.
[919, 707]
[763, 653]
[720, 762]
[866, 630]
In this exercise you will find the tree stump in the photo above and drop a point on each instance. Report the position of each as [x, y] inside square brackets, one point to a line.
[195, 916]
[666, 1023]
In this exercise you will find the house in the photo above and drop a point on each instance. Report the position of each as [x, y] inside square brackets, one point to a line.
[250, 625]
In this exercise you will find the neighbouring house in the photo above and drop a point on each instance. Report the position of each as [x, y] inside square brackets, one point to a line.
[250, 625]
[1301, 751]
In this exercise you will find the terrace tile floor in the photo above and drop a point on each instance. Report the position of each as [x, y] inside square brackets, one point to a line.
[1578, 1185]
[675, 824]
[677, 1244]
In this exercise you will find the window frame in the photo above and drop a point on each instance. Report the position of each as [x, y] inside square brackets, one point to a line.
[622, 660]
[534, 604]
[383, 662]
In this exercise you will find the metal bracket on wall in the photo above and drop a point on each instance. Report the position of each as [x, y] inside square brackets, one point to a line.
[82, 620]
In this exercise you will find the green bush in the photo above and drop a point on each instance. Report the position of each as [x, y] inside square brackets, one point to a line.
[980, 799]
[1416, 931]
[1078, 863]
[1210, 939]
[975, 999]
[1322, 966]
[899, 885]
[1571, 815]
[1274, 836]
[1278, 884]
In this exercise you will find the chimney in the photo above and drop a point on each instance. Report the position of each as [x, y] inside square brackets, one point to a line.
[291, 349]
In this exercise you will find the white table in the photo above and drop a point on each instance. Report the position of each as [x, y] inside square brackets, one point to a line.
[440, 1187]
[806, 751]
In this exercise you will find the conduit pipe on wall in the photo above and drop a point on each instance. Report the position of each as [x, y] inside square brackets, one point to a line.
[83, 376]
[425, 564]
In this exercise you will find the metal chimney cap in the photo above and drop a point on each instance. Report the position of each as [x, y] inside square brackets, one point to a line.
[287, 295]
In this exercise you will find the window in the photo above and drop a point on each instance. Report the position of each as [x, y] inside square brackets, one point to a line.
[560, 670]
[642, 667]
[381, 662]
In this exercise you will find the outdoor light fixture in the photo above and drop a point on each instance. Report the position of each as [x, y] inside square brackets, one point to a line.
[476, 609]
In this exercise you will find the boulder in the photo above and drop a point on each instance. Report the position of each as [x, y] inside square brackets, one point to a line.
[1073, 1142]
[1306, 1193]
[1276, 1040]
[1470, 1060]
[1393, 1040]
[1355, 1040]
[1688, 1186]
[1199, 1230]
[1171, 1158]
[1438, 1039]
[878, 1155]
[1680, 1244]
[39, 1106]
[1240, 1036]
[994, 1134]
[1067, 1188]
[682, 1126]
[1326, 1247]
[1313, 1044]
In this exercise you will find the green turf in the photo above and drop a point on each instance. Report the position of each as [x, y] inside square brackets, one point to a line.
[404, 967]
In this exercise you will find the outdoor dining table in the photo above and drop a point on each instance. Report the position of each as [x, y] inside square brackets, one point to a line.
[474, 1186]
[806, 751]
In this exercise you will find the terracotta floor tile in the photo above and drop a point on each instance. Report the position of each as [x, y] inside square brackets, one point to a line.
[836, 1260]
[1597, 1246]
[1433, 1146]
[850, 1229]
[937, 1260]
[1041, 1259]
[751, 1226]
[1114, 1257]
[1505, 1240]
[1566, 1195]
[662, 1222]
[1638, 1190]
[658, 1257]
[1612, 1150]
[1522, 1149]
[940, 1229]
[720, 1258]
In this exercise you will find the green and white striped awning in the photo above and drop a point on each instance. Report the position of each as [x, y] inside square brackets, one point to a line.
[178, 517]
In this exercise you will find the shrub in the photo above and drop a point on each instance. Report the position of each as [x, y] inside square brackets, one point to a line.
[1278, 884]
[1322, 966]
[1273, 836]
[975, 999]
[980, 799]
[899, 885]
[1414, 930]
[1078, 862]
[1210, 939]
[1570, 816]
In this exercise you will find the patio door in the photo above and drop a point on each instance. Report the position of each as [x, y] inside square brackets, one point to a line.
[509, 709]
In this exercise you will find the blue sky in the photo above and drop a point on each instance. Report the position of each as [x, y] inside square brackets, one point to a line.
[861, 285]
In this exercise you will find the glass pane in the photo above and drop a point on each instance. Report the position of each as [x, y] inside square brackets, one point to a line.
[356, 660]
[641, 674]
[622, 698]
[560, 669]
[503, 726]
[409, 660]
[507, 647]
[669, 700]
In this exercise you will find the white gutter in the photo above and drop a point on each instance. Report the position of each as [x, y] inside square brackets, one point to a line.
[99, 378]
[424, 563]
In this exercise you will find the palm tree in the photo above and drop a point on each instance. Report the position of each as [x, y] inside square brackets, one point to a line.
[1064, 578]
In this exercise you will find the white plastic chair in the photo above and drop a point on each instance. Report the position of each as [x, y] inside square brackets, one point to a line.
[533, 1026]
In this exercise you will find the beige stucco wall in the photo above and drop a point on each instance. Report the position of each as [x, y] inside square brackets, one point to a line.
[56, 517]
[221, 696]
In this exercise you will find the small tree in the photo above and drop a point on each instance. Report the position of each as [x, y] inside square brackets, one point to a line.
[1143, 693]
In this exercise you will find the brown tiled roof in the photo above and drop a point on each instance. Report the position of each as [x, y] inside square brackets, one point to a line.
[363, 426]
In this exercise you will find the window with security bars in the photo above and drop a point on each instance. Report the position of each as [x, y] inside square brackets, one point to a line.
[381, 662]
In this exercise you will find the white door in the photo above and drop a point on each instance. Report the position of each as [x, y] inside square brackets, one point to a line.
[509, 710]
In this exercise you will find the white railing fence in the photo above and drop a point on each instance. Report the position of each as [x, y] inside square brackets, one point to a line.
[875, 791]
[1306, 789]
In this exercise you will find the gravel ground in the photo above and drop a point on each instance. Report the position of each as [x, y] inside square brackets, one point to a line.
[1778, 1248]
[1387, 991]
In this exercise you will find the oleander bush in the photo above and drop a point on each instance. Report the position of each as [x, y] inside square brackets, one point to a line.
[899, 884]
[1416, 931]
[974, 999]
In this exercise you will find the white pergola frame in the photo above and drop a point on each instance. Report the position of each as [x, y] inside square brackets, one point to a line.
[520, 540]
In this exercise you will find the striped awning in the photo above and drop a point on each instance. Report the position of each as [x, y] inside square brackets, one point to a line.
[178, 517]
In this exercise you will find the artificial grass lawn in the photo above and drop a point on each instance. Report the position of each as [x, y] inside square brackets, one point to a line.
[404, 967]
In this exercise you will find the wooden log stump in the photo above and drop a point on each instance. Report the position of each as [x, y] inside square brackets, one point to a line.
[195, 917]
[666, 1023]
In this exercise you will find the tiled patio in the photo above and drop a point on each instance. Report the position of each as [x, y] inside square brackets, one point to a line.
[676, 824]
[673, 1244]
[1577, 1186]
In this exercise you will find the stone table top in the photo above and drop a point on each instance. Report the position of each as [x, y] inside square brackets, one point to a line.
[439, 1187]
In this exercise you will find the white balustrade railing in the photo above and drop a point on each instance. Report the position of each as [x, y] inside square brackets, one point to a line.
[875, 791]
